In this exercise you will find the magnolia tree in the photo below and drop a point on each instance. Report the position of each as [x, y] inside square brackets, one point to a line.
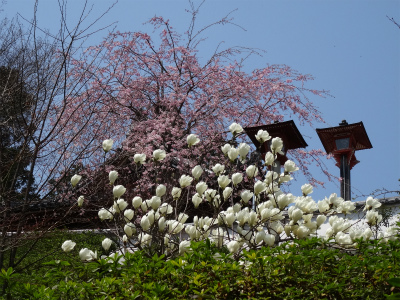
[248, 208]
[151, 93]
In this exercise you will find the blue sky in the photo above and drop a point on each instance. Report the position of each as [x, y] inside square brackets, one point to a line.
[350, 47]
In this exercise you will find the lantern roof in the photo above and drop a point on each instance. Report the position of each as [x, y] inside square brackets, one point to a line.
[287, 131]
[356, 132]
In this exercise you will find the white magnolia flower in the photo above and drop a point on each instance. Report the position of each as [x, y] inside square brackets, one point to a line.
[306, 189]
[184, 246]
[159, 155]
[201, 187]
[269, 239]
[176, 193]
[136, 202]
[196, 199]
[139, 158]
[125, 239]
[128, 214]
[243, 150]
[118, 191]
[223, 181]
[233, 246]
[113, 175]
[196, 172]
[86, 254]
[225, 148]
[290, 166]
[104, 214]
[218, 169]
[262, 136]
[182, 218]
[235, 128]
[129, 229]
[192, 140]
[251, 171]
[269, 159]
[321, 220]
[80, 200]
[68, 246]
[277, 145]
[155, 202]
[373, 217]
[145, 223]
[259, 187]
[372, 203]
[233, 153]
[160, 190]
[185, 181]
[120, 205]
[165, 209]
[323, 205]
[107, 145]
[75, 179]
[227, 192]
[237, 178]
[296, 215]
[210, 194]
[162, 224]
[106, 243]
[246, 195]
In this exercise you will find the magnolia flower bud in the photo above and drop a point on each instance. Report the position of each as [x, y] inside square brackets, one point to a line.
[176, 193]
[296, 215]
[136, 202]
[86, 254]
[118, 191]
[251, 171]
[159, 155]
[321, 220]
[139, 158]
[373, 217]
[162, 224]
[233, 246]
[306, 189]
[237, 207]
[106, 243]
[246, 195]
[107, 145]
[165, 209]
[196, 172]
[201, 187]
[218, 169]
[237, 178]
[80, 200]
[233, 153]
[113, 175]
[129, 229]
[262, 136]
[196, 199]
[75, 179]
[185, 181]
[290, 166]
[227, 192]
[128, 214]
[160, 190]
[210, 194]
[155, 202]
[235, 128]
[225, 148]
[125, 239]
[223, 181]
[145, 223]
[192, 140]
[277, 145]
[269, 239]
[269, 159]
[243, 150]
[68, 246]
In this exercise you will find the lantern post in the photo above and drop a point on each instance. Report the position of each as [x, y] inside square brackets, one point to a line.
[342, 142]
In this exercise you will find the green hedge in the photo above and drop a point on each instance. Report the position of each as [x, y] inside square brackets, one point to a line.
[308, 269]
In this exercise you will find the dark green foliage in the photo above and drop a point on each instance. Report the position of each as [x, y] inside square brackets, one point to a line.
[308, 269]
